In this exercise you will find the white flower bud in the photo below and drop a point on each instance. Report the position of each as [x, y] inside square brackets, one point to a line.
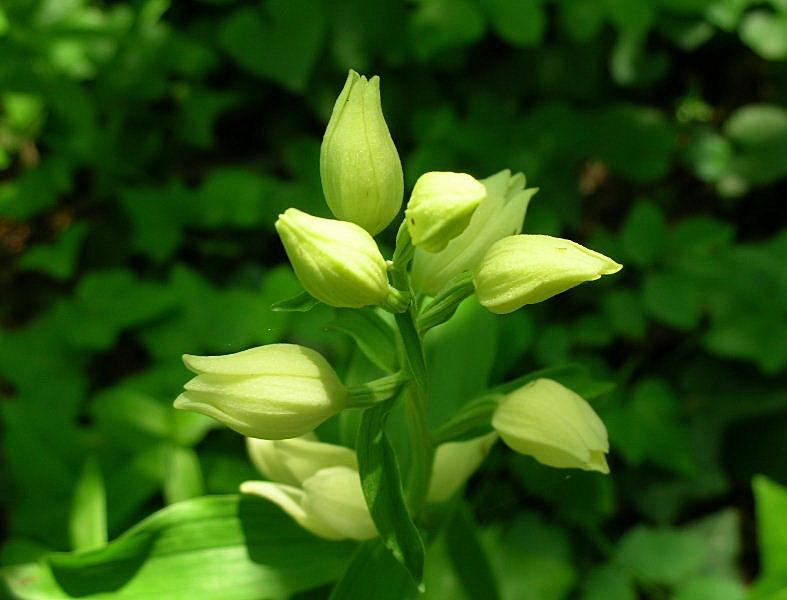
[525, 269]
[337, 262]
[454, 463]
[275, 392]
[498, 215]
[330, 503]
[295, 460]
[359, 166]
[440, 208]
[554, 425]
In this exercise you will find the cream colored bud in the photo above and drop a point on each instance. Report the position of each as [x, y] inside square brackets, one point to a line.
[440, 208]
[454, 464]
[330, 503]
[498, 215]
[554, 425]
[359, 166]
[295, 460]
[337, 262]
[525, 269]
[274, 392]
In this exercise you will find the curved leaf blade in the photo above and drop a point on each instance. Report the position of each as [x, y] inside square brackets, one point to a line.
[229, 547]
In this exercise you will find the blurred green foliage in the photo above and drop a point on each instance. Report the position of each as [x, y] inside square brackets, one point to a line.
[147, 147]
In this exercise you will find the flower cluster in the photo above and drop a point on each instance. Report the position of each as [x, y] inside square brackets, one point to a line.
[460, 236]
[318, 485]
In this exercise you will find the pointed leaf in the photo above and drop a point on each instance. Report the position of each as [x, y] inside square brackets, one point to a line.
[382, 487]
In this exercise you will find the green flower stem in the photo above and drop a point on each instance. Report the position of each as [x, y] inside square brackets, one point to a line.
[412, 360]
[473, 420]
[444, 305]
[373, 392]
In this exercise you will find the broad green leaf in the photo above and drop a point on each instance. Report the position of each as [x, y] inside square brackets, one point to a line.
[468, 556]
[88, 522]
[583, 498]
[609, 582]
[625, 313]
[108, 302]
[771, 505]
[441, 25]
[374, 336]
[748, 311]
[701, 236]
[280, 41]
[553, 344]
[58, 259]
[374, 573]
[592, 331]
[131, 417]
[531, 559]
[673, 299]
[184, 476]
[757, 125]
[633, 63]
[759, 133]
[649, 427]
[303, 302]
[581, 19]
[630, 15]
[709, 155]
[574, 375]
[643, 234]
[460, 355]
[516, 22]
[133, 481]
[212, 547]
[662, 556]
[636, 142]
[158, 215]
[35, 190]
[200, 108]
[382, 487]
[712, 588]
[234, 197]
[766, 33]
[217, 320]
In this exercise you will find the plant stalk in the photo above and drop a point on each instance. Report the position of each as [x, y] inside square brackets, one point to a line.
[412, 360]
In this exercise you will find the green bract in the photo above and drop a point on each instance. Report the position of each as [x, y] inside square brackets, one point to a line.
[273, 392]
[440, 208]
[359, 166]
[525, 269]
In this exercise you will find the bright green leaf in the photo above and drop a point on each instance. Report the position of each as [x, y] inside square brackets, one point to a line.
[88, 522]
[221, 546]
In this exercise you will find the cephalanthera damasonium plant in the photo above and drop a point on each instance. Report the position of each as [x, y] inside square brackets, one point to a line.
[460, 236]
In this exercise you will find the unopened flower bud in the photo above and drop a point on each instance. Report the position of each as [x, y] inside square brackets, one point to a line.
[359, 166]
[554, 425]
[330, 503]
[525, 269]
[454, 463]
[274, 392]
[295, 460]
[337, 262]
[498, 215]
[440, 208]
